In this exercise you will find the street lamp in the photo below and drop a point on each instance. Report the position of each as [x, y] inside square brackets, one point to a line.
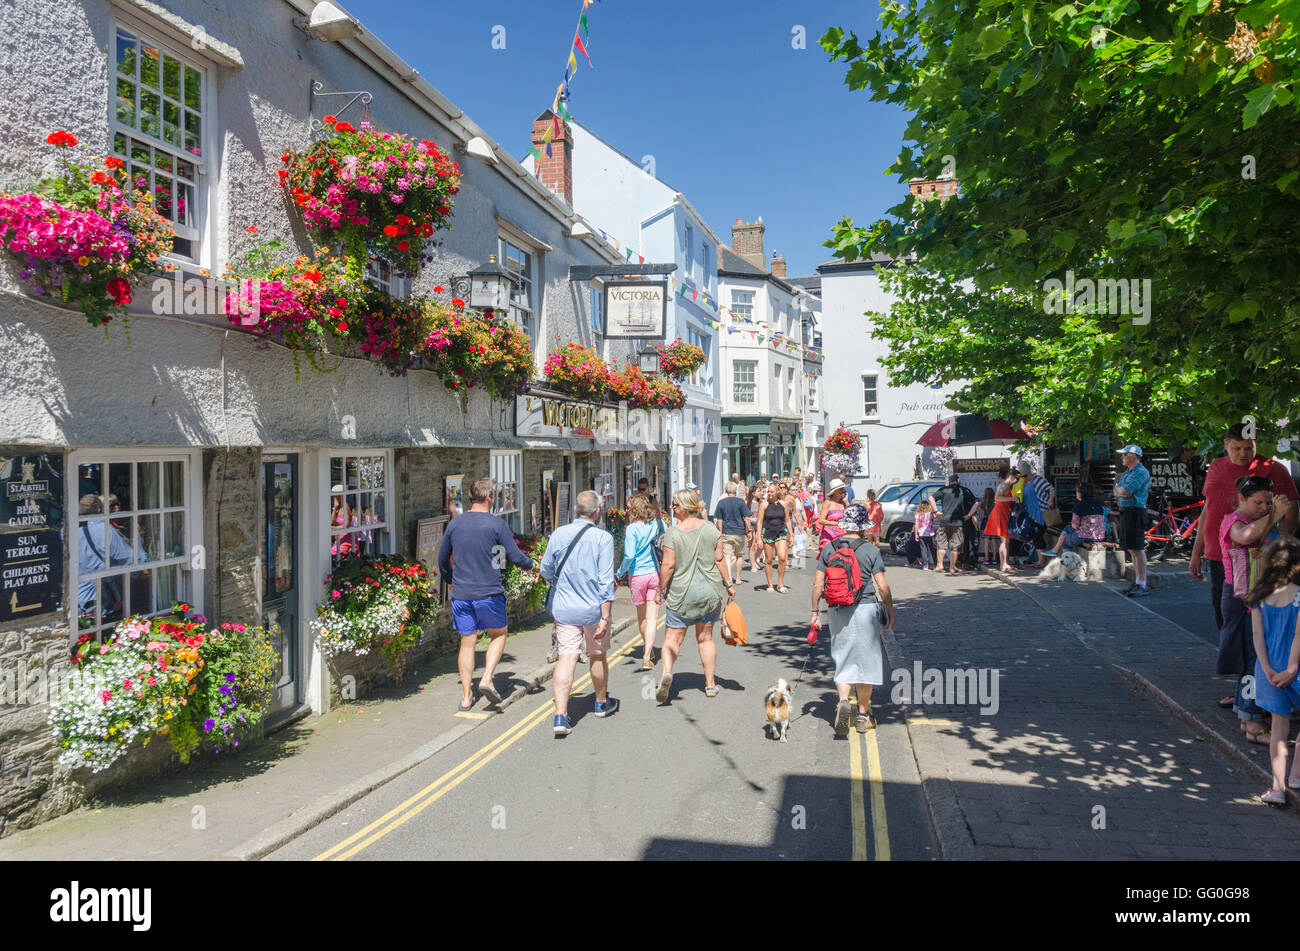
[648, 361]
[490, 286]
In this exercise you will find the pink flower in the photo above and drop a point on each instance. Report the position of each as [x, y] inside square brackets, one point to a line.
[106, 696]
[335, 595]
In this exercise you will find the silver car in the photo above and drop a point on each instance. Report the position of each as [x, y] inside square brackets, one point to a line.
[898, 502]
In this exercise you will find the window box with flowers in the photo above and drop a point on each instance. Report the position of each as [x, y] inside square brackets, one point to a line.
[169, 676]
[577, 371]
[82, 237]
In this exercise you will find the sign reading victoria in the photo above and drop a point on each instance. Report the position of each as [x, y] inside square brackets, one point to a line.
[555, 417]
[636, 309]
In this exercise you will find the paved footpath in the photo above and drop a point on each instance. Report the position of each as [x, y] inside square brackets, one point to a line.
[1080, 760]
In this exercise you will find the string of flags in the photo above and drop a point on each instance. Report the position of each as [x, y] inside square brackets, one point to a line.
[581, 36]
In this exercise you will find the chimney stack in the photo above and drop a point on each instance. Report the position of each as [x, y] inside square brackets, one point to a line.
[778, 266]
[555, 172]
[747, 242]
[927, 188]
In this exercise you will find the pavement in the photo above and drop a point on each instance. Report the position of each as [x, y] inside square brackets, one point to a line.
[1099, 738]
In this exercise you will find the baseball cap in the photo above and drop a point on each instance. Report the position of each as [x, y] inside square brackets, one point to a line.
[1133, 448]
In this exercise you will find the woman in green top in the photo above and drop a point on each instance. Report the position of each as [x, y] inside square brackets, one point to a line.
[693, 580]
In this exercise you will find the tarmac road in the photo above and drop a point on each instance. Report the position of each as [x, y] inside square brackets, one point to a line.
[697, 778]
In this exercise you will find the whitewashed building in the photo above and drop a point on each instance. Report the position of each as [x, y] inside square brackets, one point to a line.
[630, 207]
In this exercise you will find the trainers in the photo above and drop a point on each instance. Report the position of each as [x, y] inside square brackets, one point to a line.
[665, 687]
[563, 726]
[843, 713]
[1139, 591]
[606, 708]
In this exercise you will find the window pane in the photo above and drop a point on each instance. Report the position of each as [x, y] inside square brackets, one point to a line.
[171, 78]
[149, 66]
[380, 514]
[174, 476]
[119, 144]
[126, 55]
[167, 587]
[193, 133]
[162, 196]
[150, 538]
[150, 112]
[174, 536]
[90, 482]
[119, 484]
[146, 475]
[112, 593]
[140, 590]
[336, 473]
[171, 126]
[193, 88]
[125, 103]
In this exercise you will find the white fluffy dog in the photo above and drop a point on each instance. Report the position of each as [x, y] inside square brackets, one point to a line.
[1069, 566]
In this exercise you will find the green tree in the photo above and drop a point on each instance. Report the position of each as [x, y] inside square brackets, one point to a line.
[1114, 139]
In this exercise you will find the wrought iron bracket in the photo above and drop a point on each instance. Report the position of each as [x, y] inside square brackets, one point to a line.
[318, 128]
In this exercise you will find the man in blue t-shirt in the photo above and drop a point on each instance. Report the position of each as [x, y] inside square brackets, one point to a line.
[481, 544]
[1131, 496]
[732, 519]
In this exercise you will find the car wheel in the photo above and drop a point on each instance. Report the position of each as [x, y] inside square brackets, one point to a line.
[898, 540]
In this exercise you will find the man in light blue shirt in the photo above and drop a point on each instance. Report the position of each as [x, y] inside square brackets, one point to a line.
[579, 564]
[1131, 490]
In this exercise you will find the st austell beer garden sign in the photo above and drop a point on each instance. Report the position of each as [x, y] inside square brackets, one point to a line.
[31, 547]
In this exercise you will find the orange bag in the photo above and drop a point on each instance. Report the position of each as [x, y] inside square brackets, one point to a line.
[734, 622]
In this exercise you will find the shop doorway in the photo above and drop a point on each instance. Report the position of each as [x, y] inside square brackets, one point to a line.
[281, 575]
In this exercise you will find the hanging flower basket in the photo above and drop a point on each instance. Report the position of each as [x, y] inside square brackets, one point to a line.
[83, 237]
[384, 194]
[578, 371]
[679, 360]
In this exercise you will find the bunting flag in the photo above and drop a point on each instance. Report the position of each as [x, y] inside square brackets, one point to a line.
[582, 22]
[577, 41]
[533, 152]
[573, 61]
[640, 259]
[629, 255]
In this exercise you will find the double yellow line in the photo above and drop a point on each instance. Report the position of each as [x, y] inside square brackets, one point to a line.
[398, 816]
[879, 822]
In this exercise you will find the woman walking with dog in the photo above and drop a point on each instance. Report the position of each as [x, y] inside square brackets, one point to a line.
[851, 574]
[693, 580]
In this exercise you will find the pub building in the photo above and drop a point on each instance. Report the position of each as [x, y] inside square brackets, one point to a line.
[189, 460]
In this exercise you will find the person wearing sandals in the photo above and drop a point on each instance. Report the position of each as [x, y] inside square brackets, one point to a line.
[694, 579]
[855, 629]
[477, 540]
[774, 517]
[579, 564]
[1000, 517]
[641, 570]
[1241, 535]
[1275, 619]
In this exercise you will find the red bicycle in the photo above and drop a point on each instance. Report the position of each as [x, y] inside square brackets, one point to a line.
[1172, 531]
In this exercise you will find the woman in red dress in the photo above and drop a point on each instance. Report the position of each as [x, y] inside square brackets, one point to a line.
[1001, 515]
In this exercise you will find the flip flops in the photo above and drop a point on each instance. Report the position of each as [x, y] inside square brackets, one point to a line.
[465, 707]
[490, 692]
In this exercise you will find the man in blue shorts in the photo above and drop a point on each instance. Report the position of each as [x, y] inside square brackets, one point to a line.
[481, 544]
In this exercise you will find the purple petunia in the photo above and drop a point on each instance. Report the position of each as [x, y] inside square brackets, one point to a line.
[223, 689]
[208, 724]
[230, 678]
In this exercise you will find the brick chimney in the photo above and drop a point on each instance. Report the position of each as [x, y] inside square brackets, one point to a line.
[778, 266]
[556, 172]
[927, 188]
[747, 241]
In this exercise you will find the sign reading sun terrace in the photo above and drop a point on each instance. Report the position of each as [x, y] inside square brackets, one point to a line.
[636, 309]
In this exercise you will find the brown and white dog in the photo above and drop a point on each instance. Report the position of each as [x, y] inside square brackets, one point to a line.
[778, 709]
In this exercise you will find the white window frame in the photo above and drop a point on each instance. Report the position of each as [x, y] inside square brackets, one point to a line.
[606, 481]
[503, 463]
[700, 339]
[205, 165]
[596, 301]
[743, 310]
[871, 409]
[752, 367]
[638, 469]
[379, 275]
[192, 507]
[688, 241]
[327, 457]
[525, 310]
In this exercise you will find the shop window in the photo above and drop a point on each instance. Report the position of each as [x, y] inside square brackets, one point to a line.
[131, 550]
[504, 467]
[605, 481]
[359, 506]
[158, 112]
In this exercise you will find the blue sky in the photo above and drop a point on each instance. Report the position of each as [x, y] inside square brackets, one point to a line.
[736, 118]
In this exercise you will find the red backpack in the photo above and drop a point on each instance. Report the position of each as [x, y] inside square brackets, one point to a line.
[844, 574]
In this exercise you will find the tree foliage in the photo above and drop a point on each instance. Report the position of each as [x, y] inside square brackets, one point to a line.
[1119, 139]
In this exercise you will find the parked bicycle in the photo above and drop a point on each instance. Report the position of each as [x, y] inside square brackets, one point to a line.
[1172, 529]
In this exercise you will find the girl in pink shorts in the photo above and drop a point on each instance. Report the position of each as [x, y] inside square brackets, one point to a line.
[640, 566]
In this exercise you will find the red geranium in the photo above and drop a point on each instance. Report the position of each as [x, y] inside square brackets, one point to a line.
[61, 137]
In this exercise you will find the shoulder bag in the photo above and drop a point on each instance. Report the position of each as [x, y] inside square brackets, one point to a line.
[550, 595]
